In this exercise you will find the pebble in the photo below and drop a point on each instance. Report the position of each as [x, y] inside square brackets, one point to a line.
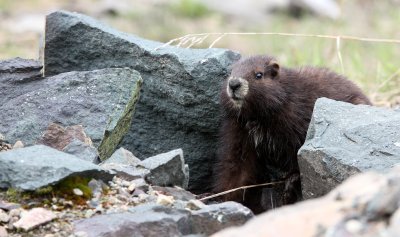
[33, 218]
[81, 234]
[354, 226]
[15, 212]
[7, 206]
[194, 204]
[3, 232]
[4, 217]
[18, 144]
[125, 183]
[132, 187]
[77, 192]
[89, 213]
[165, 200]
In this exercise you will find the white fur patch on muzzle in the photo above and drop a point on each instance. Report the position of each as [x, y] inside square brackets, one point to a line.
[237, 88]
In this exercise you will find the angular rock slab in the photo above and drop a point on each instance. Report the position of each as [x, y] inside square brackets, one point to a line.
[364, 205]
[146, 220]
[167, 169]
[215, 217]
[37, 166]
[156, 220]
[179, 98]
[102, 101]
[345, 139]
[33, 218]
[15, 71]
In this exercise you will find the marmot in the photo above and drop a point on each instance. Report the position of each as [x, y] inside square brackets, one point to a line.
[266, 112]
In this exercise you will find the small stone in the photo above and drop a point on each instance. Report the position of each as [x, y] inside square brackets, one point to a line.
[131, 187]
[49, 235]
[125, 183]
[165, 200]
[81, 234]
[137, 192]
[15, 212]
[143, 196]
[7, 206]
[4, 217]
[18, 144]
[33, 218]
[354, 226]
[89, 213]
[195, 205]
[3, 231]
[77, 192]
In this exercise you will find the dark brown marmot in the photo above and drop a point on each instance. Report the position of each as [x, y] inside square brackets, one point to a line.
[266, 113]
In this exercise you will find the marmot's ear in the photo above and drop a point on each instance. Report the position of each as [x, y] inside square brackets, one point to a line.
[273, 67]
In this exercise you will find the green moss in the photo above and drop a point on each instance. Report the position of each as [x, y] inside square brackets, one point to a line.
[65, 188]
[43, 195]
[44, 191]
[115, 132]
[13, 195]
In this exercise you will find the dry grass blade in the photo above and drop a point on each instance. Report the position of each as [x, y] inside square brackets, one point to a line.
[239, 188]
[339, 53]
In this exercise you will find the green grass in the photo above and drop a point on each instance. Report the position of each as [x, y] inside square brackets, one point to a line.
[189, 8]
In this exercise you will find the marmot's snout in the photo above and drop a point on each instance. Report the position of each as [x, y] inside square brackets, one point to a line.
[234, 84]
[237, 88]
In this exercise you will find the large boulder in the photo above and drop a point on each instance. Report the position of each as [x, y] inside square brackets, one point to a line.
[38, 166]
[156, 220]
[345, 139]
[102, 101]
[364, 205]
[178, 107]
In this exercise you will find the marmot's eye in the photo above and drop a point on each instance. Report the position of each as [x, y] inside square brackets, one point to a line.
[259, 75]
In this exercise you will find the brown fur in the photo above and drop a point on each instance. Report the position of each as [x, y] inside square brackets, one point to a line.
[276, 112]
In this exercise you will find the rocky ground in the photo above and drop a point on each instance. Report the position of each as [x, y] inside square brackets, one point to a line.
[109, 141]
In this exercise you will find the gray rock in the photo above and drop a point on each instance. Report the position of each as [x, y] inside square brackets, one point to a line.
[33, 218]
[167, 169]
[82, 151]
[127, 172]
[345, 139]
[177, 193]
[37, 166]
[122, 156]
[3, 232]
[8, 206]
[345, 211]
[215, 217]
[102, 101]
[144, 220]
[179, 97]
[125, 165]
[15, 71]
[157, 220]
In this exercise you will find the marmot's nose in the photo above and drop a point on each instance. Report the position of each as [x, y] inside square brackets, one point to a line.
[234, 84]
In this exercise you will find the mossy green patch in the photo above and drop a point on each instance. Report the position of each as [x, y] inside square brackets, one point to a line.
[42, 196]
[118, 127]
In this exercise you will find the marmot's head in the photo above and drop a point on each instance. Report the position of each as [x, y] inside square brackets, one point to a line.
[254, 86]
